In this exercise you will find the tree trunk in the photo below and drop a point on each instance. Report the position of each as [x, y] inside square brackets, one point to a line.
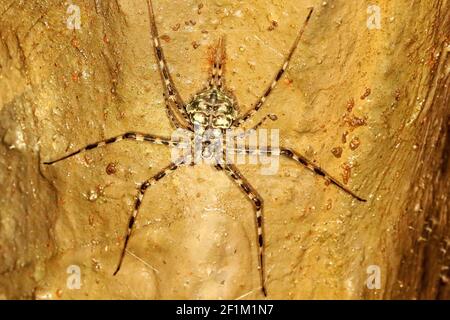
[366, 96]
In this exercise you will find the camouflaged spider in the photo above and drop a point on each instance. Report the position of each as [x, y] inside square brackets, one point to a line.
[214, 108]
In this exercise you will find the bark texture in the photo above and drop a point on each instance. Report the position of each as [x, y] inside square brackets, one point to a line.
[371, 106]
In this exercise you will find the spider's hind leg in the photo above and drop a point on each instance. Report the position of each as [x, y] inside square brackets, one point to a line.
[297, 157]
[317, 170]
[258, 204]
[144, 186]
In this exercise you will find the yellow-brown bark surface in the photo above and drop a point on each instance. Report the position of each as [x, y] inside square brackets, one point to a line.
[381, 95]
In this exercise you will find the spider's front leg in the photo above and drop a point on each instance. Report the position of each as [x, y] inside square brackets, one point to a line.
[172, 117]
[135, 136]
[143, 187]
[174, 103]
[257, 203]
[262, 99]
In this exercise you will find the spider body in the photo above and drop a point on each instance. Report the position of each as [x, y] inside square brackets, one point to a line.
[212, 111]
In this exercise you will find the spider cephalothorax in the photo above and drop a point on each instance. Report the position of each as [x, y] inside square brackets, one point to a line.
[212, 109]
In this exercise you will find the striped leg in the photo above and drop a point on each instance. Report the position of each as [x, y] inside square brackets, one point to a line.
[218, 65]
[136, 136]
[302, 160]
[144, 186]
[174, 103]
[269, 116]
[246, 132]
[257, 203]
[172, 118]
[278, 76]
[317, 170]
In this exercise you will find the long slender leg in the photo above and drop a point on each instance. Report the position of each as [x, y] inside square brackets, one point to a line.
[144, 186]
[269, 116]
[216, 79]
[317, 170]
[136, 136]
[257, 203]
[302, 160]
[174, 102]
[260, 102]
[172, 118]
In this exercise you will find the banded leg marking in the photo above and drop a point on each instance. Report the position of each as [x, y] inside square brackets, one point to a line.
[174, 102]
[260, 102]
[144, 186]
[246, 132]
[136, 136]
[269, 116]
[299, 159]
[258, 204]
[172, 118]
[317, 170]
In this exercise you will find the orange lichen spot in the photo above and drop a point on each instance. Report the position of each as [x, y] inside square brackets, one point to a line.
[195, 44]
[288, 81]
[337, 152]
[347, 171]
[176, 27]
[91, 220]
[75, 43]
[111, 168]
[366, 93]
[75, 76]
[350, 104]
[355, 143]
[397, 95]
[433, 58]
[88, 159]
[354, 121]
[344, 137]
[273, 25]
[165, 37]
[329, 204]
[199, 8]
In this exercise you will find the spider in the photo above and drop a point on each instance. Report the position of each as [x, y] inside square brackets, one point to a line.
[214, 108]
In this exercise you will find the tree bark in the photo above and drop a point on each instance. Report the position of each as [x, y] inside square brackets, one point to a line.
[366, 96]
